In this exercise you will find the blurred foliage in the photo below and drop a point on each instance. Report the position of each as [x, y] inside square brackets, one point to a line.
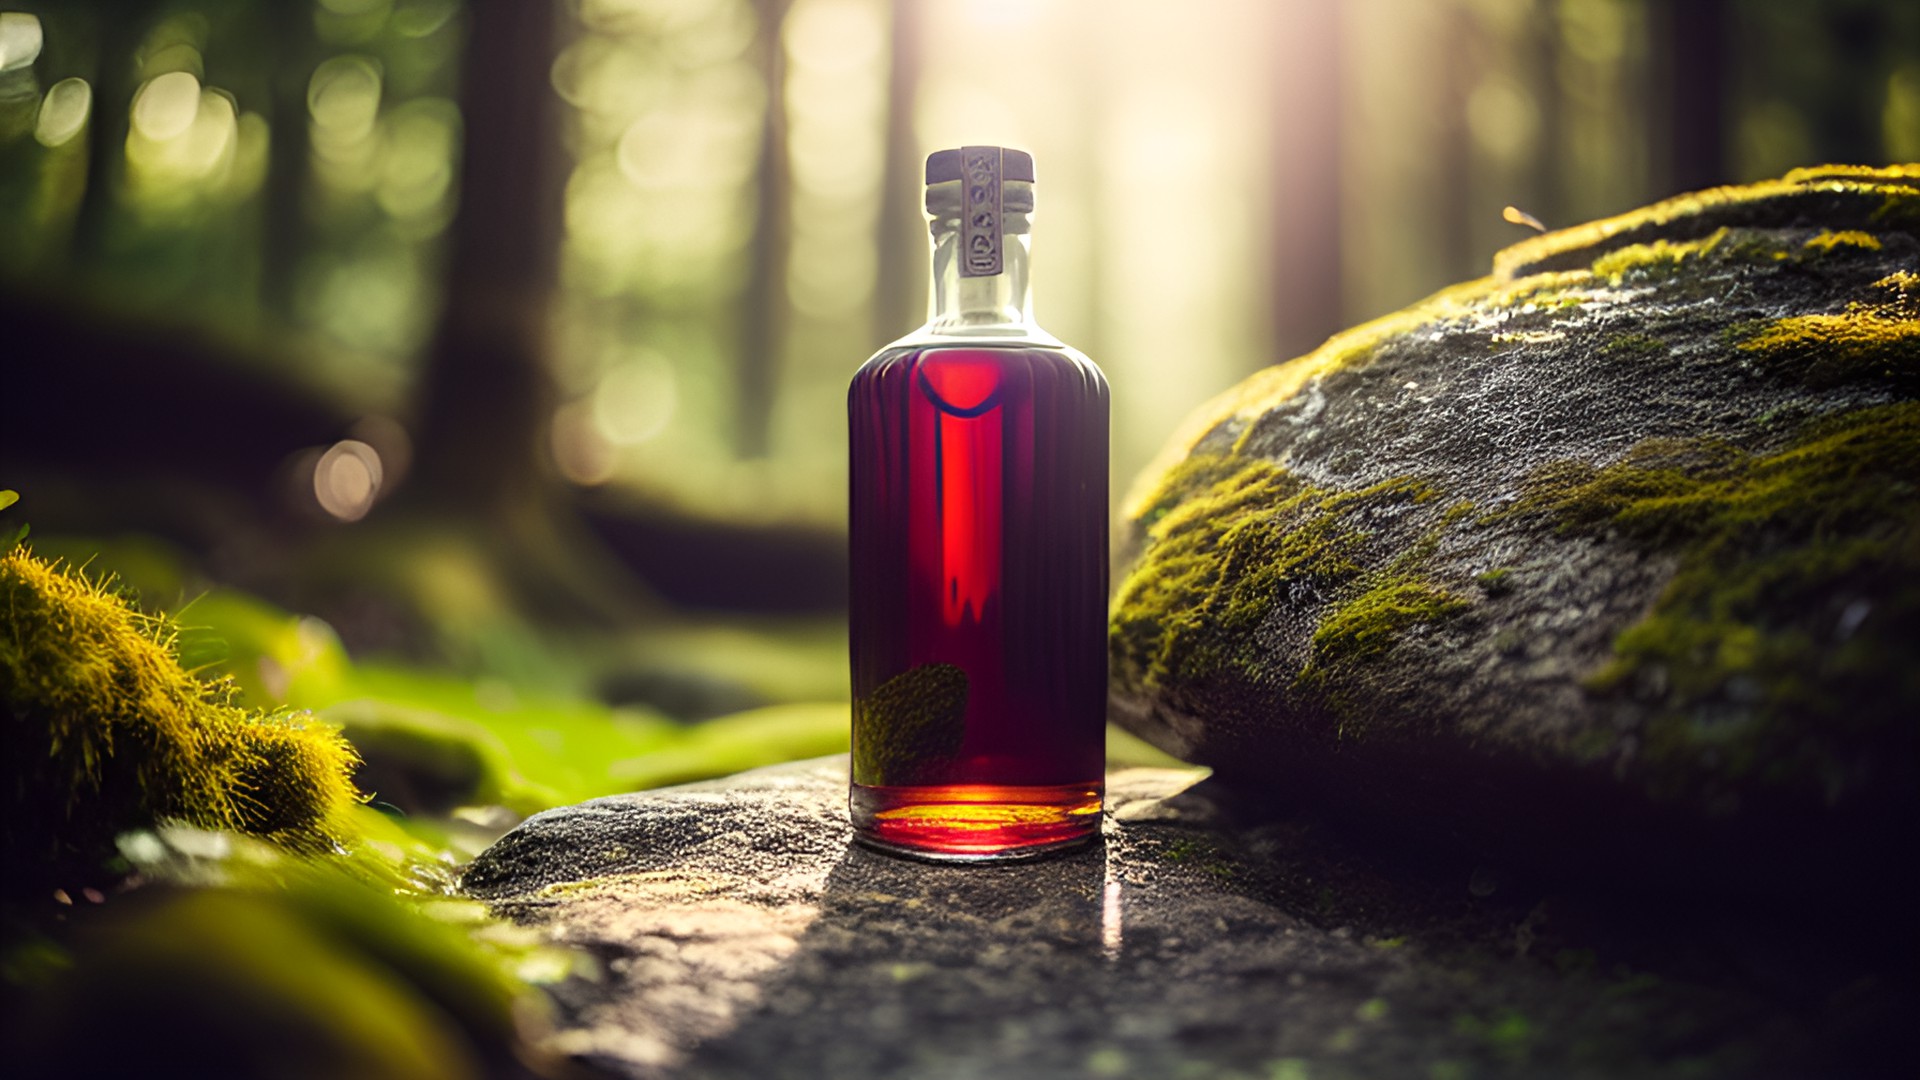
[444, 741]
[740, 223]
[220, 955]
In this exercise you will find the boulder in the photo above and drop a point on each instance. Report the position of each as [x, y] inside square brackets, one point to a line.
[1608, 560]
[739, 934]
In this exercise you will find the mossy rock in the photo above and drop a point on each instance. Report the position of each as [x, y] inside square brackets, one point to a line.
[1610, 558]
[102, 731]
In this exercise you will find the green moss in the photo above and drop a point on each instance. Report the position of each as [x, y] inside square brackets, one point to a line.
[1508, 1033]
[1634, 345]
[1827, 242]
[1231, 536]
[1181, 849]
[1870, 342]
[1662, 260]
[1370, 622]
[1656, 261]
[105, 731]
[1190, 477]
[911, 726]
[1878, 198]
[1496, 582]
[1777, 651]
[1211, 512]
[1234, 537]
[290, 968]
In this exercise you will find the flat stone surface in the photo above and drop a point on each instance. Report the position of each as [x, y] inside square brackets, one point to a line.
[738, 933]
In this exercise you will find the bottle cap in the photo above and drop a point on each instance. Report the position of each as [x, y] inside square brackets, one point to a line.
[983, 173]
[944, 166]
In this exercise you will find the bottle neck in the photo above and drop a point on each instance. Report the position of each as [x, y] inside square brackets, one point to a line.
[992, 303]
[998, 306]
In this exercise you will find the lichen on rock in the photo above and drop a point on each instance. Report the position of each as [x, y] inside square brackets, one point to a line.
[104, 731]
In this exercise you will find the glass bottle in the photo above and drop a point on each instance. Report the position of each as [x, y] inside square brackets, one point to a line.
[979, 544]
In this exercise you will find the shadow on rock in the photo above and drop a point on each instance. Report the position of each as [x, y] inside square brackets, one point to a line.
[740, 934]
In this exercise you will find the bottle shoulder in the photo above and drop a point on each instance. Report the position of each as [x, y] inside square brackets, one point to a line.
[1054, 354]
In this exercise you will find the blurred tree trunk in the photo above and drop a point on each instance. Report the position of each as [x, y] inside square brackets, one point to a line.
[1846, 109]
[485, 401]
[758, 371]
[119, 27]
[1688, 125]
[1546, 194]
[1307, 197]
[485, 398]
[1462, 60]
[295, 55]
[897, 305]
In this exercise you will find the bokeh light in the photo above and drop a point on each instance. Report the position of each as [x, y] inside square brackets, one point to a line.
[347, 479]
[21, 39]
[64, 112]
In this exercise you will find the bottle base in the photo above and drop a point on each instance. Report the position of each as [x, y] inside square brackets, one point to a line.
[975, 823]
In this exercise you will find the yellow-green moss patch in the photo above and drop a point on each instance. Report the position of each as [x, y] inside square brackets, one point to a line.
[1901, 286]
[1367, 624]
[1826, 242]
[1664, 259]
[1640, 345]
[1881, 197]
[1862, 342]
[1778, 650]
[103, 730]
[1232, 538]
[911, 726]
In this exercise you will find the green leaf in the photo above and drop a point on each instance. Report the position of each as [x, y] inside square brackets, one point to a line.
[8, 498]
[8, 540]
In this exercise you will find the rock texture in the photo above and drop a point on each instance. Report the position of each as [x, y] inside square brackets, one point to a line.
[1611, 559]
[739, 935]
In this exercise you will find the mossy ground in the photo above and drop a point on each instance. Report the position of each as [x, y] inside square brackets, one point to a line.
[236, 957]
[319, 947]
[105, 731]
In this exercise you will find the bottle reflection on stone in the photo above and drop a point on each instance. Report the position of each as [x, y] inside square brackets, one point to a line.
[979, 542]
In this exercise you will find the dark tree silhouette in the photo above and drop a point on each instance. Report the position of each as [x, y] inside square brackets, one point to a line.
[485, 397]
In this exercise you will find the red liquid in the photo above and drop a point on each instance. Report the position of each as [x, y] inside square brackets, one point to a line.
[979, 537]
